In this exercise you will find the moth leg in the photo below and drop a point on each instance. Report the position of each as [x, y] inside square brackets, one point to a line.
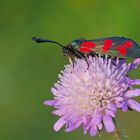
[114, 63]
[85, 58]
[87, 62]
[75, 55]
[79, 55]
[113, 58]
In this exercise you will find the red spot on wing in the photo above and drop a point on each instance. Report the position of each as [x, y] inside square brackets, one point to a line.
[128, 44]
[87, 47]
[88, 44]
[122, 50]
[107, 45]
[85, 50]
[108, 42]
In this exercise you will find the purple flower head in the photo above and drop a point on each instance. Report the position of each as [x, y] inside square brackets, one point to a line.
[90, 97]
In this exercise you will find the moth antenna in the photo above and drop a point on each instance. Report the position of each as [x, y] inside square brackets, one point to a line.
[39, 40]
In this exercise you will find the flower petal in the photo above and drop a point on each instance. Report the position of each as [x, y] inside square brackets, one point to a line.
[112, 107]
[108, 123]
[132, 93]
[57, 112]
[59, 124]
[137, 61]
[110, 112]
[118, 99]
[50, 102]
[124, 106]
[134, 64]
[134, 105]
[96, 118]
[100, 126]
[73, 126]
[93, 130]
[136, 82]
[86, 124]
[119, 105]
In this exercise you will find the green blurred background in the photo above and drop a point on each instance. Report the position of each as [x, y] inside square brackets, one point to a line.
[29, 70]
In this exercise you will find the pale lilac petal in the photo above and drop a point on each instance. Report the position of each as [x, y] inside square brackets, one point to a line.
[59, 124]
[110, 112]
[136, 82]
[134, 105]
[50, 102]
[135, 64]
[85, 130]
[108, 123]
[96, 118]
[57, 112]
[137, 61]
[55, 91]
[100, 126]
[124, 106]
[132, 93]
[112, 107]
[118, 99]
[119, 105]
[129, 81]
[86, 126]
[93, 130]
[85, 119]
[73, 126]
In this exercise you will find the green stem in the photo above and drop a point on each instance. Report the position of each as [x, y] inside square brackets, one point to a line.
[120, 133]
[117, 135]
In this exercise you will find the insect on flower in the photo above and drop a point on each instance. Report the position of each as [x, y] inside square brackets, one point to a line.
[113, 47]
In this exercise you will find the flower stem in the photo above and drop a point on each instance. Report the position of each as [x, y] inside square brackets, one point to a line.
[117, 135]
[120, 133]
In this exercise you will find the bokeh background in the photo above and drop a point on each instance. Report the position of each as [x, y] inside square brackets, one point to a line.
[29, 70]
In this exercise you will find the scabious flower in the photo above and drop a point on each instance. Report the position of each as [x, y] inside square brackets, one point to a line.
[89, 96]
